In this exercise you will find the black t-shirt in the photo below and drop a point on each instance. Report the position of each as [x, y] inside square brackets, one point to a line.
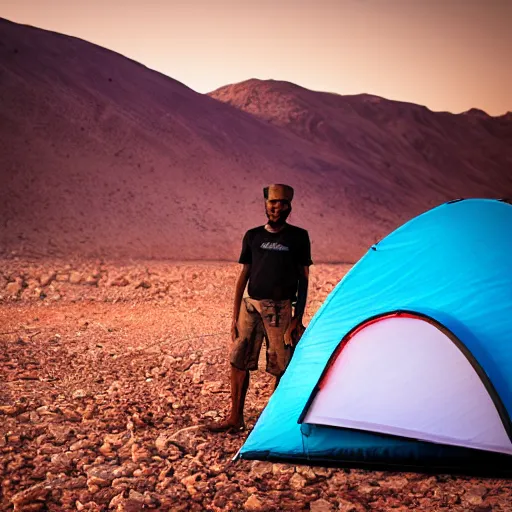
[275, 259]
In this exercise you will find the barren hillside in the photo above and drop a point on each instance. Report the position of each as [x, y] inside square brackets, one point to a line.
[402, 145]
[101, 156]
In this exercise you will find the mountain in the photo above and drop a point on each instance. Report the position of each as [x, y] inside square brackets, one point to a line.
[400, 144]
[103, 157]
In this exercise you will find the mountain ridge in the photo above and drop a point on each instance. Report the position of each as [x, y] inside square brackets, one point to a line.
[105, 158]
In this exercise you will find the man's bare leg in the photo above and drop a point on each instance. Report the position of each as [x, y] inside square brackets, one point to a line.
[239, 380]
[245, 387]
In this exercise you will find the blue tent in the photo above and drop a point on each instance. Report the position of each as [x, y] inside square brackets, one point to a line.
[408, 363]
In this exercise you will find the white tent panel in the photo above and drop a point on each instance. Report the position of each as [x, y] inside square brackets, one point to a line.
[403, 376]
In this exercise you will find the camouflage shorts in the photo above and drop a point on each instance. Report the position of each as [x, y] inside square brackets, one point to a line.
[258, 320]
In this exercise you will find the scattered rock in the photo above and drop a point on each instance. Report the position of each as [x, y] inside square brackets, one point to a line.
[168, 448]
[320, 471]
[62, 461]
[192, 483]
[117, 502]
[394, 482]
[297, 482]
[60, 433]
[120, 281]
[280, 469]
[30, 375]
[9, 410]
[62, 277]
[47, 278]
[14, 288]
[92, 280]
[33, 495]
[320, 505]
[83, 444]
[106, 450]
[348, 506]
[196, 372]
[139, 453]
[103, 476]
[213, 387]
[260, 469]
[253, 503]
[71, 415]
[307, 473]
[75, 277]
[475, 495]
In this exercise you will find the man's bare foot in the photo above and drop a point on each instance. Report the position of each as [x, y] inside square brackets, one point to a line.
[227, 426]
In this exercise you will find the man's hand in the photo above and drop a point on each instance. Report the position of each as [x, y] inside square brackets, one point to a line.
[234, 331]
[294, 332]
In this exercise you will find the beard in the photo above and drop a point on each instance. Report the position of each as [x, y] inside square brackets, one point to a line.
[280, 220]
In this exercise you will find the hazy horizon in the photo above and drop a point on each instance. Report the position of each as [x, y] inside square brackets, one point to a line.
[449, 56]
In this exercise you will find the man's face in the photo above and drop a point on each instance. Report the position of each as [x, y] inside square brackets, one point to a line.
[277, 210]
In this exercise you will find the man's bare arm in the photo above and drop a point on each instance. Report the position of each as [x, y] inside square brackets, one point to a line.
[241, 283]
[302, 292]
[295, 330]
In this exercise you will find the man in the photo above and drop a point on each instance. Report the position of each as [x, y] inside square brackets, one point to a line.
[276, 259]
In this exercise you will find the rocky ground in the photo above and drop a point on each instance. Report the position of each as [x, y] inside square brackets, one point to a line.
[109, 372]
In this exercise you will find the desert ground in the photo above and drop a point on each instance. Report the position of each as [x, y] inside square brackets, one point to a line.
[109, 371]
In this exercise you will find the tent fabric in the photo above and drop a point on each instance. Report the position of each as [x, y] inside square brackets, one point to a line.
[451, 264]
[442, 387]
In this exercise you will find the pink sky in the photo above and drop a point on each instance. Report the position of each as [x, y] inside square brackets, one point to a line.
[446, 54]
